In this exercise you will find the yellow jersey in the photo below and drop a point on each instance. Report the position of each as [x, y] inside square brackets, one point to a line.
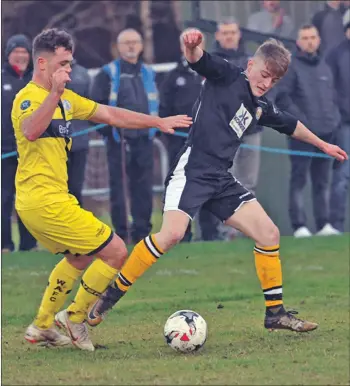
[41, 177]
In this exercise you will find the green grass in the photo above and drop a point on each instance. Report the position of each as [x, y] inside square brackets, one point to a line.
[198, 276]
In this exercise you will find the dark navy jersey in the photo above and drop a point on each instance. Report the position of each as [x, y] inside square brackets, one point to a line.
[227, 110]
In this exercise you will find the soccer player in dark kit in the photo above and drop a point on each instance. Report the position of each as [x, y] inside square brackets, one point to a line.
[231, 103]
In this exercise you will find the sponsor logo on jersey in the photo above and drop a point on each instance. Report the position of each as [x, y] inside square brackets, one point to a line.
[241, 121]
[25, 104]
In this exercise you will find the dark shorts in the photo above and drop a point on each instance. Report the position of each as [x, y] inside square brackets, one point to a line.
[189, 187]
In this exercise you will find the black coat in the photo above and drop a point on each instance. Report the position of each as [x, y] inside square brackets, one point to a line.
[80, 84]
[11, 84]
[339, 62]
[179, 91]
[308, 92]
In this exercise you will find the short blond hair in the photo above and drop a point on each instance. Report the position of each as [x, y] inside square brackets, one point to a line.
[275, 55]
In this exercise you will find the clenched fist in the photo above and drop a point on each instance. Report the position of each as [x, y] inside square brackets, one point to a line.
[59, 80]
[192, 38]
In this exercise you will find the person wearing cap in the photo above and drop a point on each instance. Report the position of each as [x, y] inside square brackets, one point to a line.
[15, 74]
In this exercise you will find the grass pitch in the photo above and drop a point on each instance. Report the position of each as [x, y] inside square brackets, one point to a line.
[200, 277]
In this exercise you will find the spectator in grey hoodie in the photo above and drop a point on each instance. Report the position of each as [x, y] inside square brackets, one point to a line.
[308, 92]
[272, 19]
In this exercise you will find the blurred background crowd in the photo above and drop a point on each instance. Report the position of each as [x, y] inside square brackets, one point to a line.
[129, 54]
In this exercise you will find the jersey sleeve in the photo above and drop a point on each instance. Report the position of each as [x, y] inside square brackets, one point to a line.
[83, 108]
[24, 105]
[278, 120]
[216, 69]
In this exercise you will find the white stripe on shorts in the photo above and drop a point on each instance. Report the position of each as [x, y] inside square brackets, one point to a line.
[177, 183]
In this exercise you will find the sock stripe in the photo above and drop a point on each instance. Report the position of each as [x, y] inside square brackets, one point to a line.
[124, 280]
[273, 297]
[89, 289]
[266, 252]
[273, 290]
[151, 248]
[154, 245]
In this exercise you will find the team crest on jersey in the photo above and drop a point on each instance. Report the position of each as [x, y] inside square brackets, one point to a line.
[66, 104]
[241, 121]
[258, 113]
[25, 104]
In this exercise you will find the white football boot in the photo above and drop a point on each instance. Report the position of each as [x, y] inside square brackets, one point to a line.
[78, 332]
[47, 337]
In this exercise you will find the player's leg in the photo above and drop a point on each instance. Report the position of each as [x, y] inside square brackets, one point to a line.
[144, 255]
[251, 219]
[60, 284]
[93, 283]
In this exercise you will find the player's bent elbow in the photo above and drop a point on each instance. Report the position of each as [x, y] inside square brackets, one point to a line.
[30, 136]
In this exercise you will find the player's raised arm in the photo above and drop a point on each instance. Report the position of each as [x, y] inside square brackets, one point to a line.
[115, 116]
[37, 122]
[211, 67]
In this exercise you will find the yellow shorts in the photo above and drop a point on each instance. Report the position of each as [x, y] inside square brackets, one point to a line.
[64, 227]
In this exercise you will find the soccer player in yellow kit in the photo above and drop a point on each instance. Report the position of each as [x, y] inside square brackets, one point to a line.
[41, 116]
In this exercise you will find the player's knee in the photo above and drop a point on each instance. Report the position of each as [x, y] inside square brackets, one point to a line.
[173, 237]
[270, 236]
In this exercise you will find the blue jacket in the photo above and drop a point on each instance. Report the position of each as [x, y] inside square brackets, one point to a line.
[113, 70]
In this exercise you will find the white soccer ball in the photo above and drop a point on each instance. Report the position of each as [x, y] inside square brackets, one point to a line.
[185, 331]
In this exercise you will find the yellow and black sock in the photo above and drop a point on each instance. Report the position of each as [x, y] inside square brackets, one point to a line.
[60, 284]
[269, 271]
[93, 284]
[143, 256]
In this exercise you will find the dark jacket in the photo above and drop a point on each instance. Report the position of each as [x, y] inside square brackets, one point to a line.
[179, 91]
[240, 59]
[307, 91]
[80, 84]
[339, 62]
[329, 23]
[131, 96]
[11, 84]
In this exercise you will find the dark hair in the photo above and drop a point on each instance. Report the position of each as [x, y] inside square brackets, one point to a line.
[276, 56]
[49, 40]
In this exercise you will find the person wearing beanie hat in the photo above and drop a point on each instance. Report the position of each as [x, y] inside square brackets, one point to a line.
[339, 62]
[16, 73]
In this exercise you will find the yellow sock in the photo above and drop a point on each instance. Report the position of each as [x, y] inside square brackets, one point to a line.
[60, 284]
[269, 271]
[93, 284]
[143, 256]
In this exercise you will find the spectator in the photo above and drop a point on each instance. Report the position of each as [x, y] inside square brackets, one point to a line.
[78, 154]
[308, 92]
[128, 83]
[329, 23]
[178, 93]
[272, 19]
[345, 11]
[15, 74]
[339, 61]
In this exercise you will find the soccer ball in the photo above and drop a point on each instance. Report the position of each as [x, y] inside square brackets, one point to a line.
[185, 331]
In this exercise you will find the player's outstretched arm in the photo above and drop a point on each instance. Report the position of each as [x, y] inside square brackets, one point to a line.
[302, 133]
[126, 119]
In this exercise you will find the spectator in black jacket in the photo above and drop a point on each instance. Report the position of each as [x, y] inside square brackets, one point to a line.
[339, 61]
[308, 92]
[329, 23]
[80, 83]
[15, 74]
[178, 94]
